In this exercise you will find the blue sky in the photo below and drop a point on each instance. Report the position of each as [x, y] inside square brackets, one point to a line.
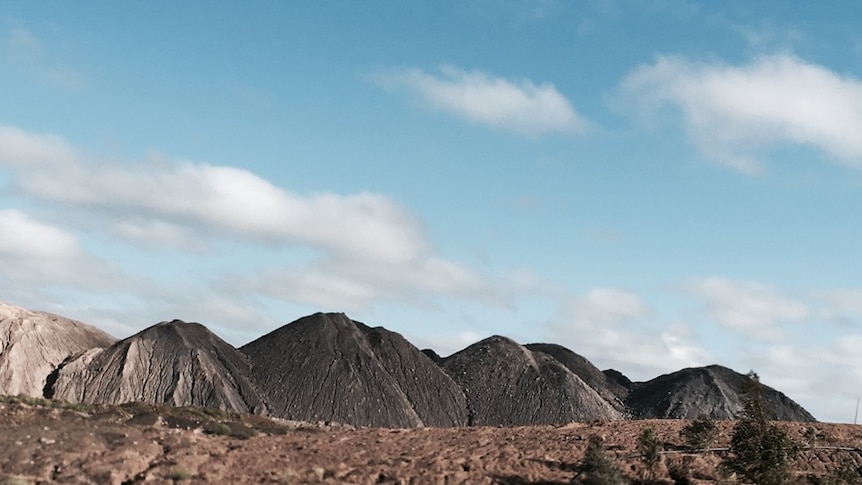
[655, 185]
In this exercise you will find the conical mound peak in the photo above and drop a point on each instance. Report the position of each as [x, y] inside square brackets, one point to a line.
[175, 363]
[326, 367]
[507, 384]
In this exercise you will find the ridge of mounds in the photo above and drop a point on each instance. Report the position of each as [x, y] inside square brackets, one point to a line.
[328, 368]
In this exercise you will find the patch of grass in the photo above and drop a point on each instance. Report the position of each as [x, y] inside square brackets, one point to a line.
[204, 412]
[13, 481]
[234, 430]
[180, 474]
[220, 429]
[700, 433]
[45, 403]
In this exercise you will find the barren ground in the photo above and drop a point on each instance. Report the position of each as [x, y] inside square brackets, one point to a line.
[50, 442]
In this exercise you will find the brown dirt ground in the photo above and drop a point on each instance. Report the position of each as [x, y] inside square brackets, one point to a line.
[47, 442]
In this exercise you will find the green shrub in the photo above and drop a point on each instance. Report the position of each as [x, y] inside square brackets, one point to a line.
[700, 433]
[220, 429]
[760, 452]
[810, 436]
[180, 474]
[650, 449]
[597, 467]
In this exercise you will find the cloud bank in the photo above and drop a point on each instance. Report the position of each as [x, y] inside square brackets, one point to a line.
[366, 246]
[613, 327]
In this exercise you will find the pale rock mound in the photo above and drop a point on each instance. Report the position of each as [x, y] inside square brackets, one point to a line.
[326, 367]
[33, 344]
[173, 363]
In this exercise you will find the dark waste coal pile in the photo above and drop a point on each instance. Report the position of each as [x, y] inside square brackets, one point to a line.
[328, 368]
[508, 385]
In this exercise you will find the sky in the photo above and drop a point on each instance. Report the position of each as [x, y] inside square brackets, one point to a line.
[653, 184]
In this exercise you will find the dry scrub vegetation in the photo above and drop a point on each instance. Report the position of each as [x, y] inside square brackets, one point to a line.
[47, 441]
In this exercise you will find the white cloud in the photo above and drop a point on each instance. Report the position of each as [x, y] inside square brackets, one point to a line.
[732, 112]
[364, 247]
[753, 308]
[155, 233]
[167, 195]
[32, 251]
[846, 301]
[608, 306]
[29, 151]
[825, 379]
[353, 285]
[447, 344]
[519, 106]
[26, 238]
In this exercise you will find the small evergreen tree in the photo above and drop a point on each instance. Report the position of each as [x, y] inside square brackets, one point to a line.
[760, 451]
[700, 433]
[596, 467]
[810, 437]
[650, 449]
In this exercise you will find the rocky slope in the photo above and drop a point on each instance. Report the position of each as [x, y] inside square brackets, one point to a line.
[608, 389]
[712, 390]
[33, 344]
[175, 363]
[326, 367]
[506, 384]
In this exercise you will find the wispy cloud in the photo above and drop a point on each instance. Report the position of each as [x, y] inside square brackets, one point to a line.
[28, 54]
[520, 106]
[840, 305]
[752, 308]
[608, 306]
[733, 112]
[613, 328]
